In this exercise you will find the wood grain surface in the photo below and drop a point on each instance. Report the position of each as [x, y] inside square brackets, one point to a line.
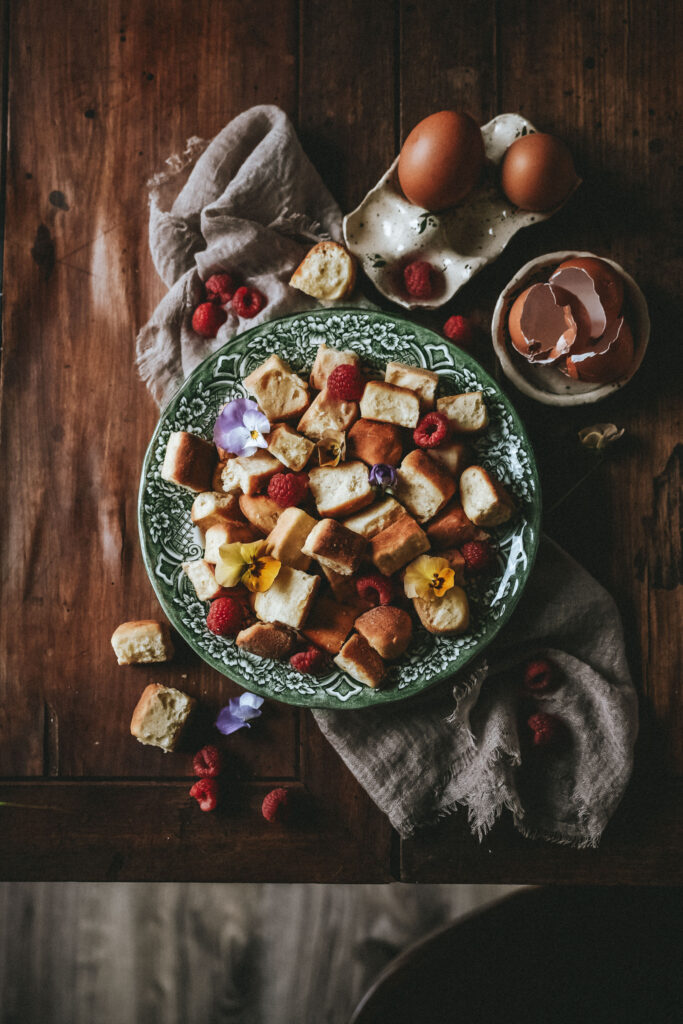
[98, 93]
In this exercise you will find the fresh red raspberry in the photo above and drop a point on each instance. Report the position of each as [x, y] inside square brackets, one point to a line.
[377, 589]
[225, 616]
[418, 279]
[477, 555]
[545, 729]
[207, 763]
[207, 318]
[346, 383]
[220, 288]
[431, 430]
[288, 488]
[276, 806]
[247, 302]
[205, 793]
[310, 661]
[459, 330]
[538, 676]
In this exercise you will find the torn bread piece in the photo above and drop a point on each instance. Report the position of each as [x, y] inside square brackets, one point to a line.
[466, 414]
[227, 533]
[335, 546]
[451, 527]
[343, 587]
[288, 600]
[329, 623]
[485, 500]
[281, 394]
[143, 640]
[212, 507]
[189, 461]
[327, 272]
[340, 491]
[287, 538]
[289, 447]
[267, 640]
[328, 359]
[423, 486]
[415, 378]
[444, 616]
[201, 575]
[374, 442]
[361, 662]
[249, 473]
[261, 511]
[399, 544]
[390, 404]
[388, 630]
[327, 413]
[160, 716]
[454, 456]
[375, 518]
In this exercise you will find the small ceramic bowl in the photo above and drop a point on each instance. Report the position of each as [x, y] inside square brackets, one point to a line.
[547, 384]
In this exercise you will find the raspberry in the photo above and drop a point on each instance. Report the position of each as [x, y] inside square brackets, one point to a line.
[276, 805]
[418, 279]
[431, 430]
[288, 489]
[207, 763]
[477, 555]
[220, 288]
[545, 728]
[247, 302]
[207, 318]
[310, 661]
[377, 589]
[225, 616]
[205, 793]
[346, 383]
[459, 330]
[538, 676]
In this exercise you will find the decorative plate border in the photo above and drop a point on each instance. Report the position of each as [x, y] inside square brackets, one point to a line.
[168, 538]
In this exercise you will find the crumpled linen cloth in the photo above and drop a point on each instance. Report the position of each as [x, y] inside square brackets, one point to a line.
[253, 201]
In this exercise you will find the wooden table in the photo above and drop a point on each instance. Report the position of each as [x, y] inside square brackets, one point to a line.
[97, 93]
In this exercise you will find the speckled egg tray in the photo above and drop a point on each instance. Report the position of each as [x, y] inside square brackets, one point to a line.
[386, 232]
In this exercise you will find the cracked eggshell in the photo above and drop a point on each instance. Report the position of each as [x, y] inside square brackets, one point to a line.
[609, 361]
[542, 325]
[546, 383]
[386, 231]
[608, 284]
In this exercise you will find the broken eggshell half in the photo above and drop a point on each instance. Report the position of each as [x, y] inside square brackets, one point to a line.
[616, 353]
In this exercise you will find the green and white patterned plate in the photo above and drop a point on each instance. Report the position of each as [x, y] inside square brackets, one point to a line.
[169, 538]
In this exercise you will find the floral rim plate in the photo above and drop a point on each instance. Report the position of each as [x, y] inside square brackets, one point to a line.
[168, 537]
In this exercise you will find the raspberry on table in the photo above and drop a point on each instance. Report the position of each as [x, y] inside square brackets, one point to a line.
[538, 676]
[477, 555]
[459, 330]
[346, 383]
[431, 430]
[545, 729]
[418, 279]
[205, 792]
[287, 489]
[247, 302]
[207, 762]
[310, 661]
[376, 588]
[207, 318]
[276, 806]
[220, 288]
[225, 616]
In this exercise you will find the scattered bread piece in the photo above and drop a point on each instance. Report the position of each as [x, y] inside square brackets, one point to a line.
[416, 378]
[361, 662]
[201, 576]
[335, 546]
[228, 532]
[445, 615]
[343, 587]
[375, 518]
[327, 413]
[189, 461]
[330, 623]
[388, 630]
[423, 486]
[261, 511]
[328, 272]
[143, 640]
[288, 536]
[328, 359]
[399, 544]
[249, 473]
[211, 507]
[467, 414]
[280, 393]
[375, 442]
[267, 640]
[451, 527]
[290, 447]
[288, 600]
[390, 404]
[160, 716]
[341, 490]
[217, 478]
[454, 456]
[485, 500]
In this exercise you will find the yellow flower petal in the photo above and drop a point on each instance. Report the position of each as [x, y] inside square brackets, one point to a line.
[261, 574]
[428, 577]
[442, 581]
[230, 565]
[250, 552]
[331, 447]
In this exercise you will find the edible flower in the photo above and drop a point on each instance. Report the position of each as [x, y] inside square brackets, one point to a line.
[248, 564]
[240, 427]
[428, 577]
[238, 712]
[331, 447]
[383, 477]
[600, 435]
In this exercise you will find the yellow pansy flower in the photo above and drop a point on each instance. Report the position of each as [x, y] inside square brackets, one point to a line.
[248, 564]
[428, 577]
[331, 447]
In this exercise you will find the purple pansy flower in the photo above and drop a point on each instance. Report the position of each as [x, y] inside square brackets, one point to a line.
[383, 476]
[238, 712]
[240, 427]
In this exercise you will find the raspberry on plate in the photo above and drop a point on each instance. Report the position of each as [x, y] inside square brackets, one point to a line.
[346, 383]
[310, 661]
[545, 729]
[220, 288]
[477, 555]
[225, 616]
[431, 430]
[207, 762]
[418, 279]
[459, 330]
[376, 588]
[247, 302]
[538, 676]
[207, 318]
[276, 805]
[287, 489]
[205, 792]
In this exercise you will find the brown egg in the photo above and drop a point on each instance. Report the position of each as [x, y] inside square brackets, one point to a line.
[608, 283]
[538, 172]
[608, 365]
[441, 160]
